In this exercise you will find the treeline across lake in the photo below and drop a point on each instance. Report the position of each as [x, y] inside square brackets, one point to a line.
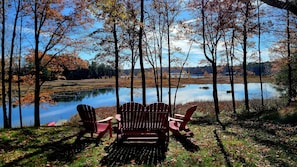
[264, 68]
[99, 71]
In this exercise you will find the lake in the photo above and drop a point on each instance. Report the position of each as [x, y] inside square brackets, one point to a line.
[66, 107]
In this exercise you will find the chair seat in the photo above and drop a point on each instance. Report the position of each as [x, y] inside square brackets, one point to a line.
[179, 123]
[173, 125]
[102, 127]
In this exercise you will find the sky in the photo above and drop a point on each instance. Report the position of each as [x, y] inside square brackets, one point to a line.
[196, 55]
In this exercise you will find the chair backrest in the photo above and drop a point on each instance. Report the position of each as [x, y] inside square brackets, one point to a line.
[157, 115]
[132, 116]
[187, 116]
[88, 117]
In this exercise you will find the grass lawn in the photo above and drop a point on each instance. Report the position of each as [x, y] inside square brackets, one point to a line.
[245, 142]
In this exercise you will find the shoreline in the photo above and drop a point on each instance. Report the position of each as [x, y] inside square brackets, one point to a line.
[58, 86]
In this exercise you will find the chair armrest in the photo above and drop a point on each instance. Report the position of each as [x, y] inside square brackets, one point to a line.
[179, 115]
[118, 117]
[175, 119]
[105, 120]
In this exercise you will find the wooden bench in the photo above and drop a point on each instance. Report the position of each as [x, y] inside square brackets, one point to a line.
[144, 124]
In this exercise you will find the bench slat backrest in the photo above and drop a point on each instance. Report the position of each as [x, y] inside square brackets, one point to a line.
[132, 116]
[157, 116]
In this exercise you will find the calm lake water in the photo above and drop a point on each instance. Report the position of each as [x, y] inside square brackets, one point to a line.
[65, 108]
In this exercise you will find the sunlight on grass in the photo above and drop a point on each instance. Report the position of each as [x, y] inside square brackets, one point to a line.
[243, 143]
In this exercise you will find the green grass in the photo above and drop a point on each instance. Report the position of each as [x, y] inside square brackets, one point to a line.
[251, 142]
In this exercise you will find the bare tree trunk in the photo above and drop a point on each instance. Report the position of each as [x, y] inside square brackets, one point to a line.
[179, 78]
[232, 85]
[245, 82]
[37, 70]
[290, 91]
[259, 52]
[141, 54]
[132, 75]
[214, 67]
[19, 72]
[215, 94]
[230, 67]
[116, 63]
[10, 65]
[5, 120]
[169, 61]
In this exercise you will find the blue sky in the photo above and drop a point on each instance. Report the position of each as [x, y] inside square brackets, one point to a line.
[196, 53]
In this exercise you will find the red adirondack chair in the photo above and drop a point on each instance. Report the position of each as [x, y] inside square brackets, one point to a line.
[91, 124]
[179, 122]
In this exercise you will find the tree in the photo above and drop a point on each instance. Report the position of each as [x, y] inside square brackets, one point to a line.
[5, 119]
[282, 77]
[154, 38]
[18, 9]
[141, 53]
[246, 13]
[213, 21]
[259, 52]
[247, 28]
[115, 13]
[290, 5]
[286, 48]
[51, 25]
[172, 11]
[19, 73]
[211, 35]
[53, 66]
[130, 35]
[230, 62]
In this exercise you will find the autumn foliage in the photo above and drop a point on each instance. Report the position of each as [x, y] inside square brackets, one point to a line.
[56, 65]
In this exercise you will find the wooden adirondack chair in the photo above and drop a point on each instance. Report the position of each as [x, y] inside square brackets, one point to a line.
[139, 123]
[179, 122]
[91, 124]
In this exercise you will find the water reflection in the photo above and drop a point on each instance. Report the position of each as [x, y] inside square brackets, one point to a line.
[80, 95]
[66, 107]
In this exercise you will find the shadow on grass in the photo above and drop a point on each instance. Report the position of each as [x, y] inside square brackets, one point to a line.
[134, 153]
[223, 150]
[186, 143]
[269, 130]
[59, 151]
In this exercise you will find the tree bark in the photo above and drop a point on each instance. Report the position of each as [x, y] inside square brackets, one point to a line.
[19, 73]
[5, 120]
[116, 63]
[10, 64]
[290, 91]
[141, 54]
[246, 99]
[37, 69]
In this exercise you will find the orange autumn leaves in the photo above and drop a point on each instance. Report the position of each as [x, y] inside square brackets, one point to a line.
[59, 63]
